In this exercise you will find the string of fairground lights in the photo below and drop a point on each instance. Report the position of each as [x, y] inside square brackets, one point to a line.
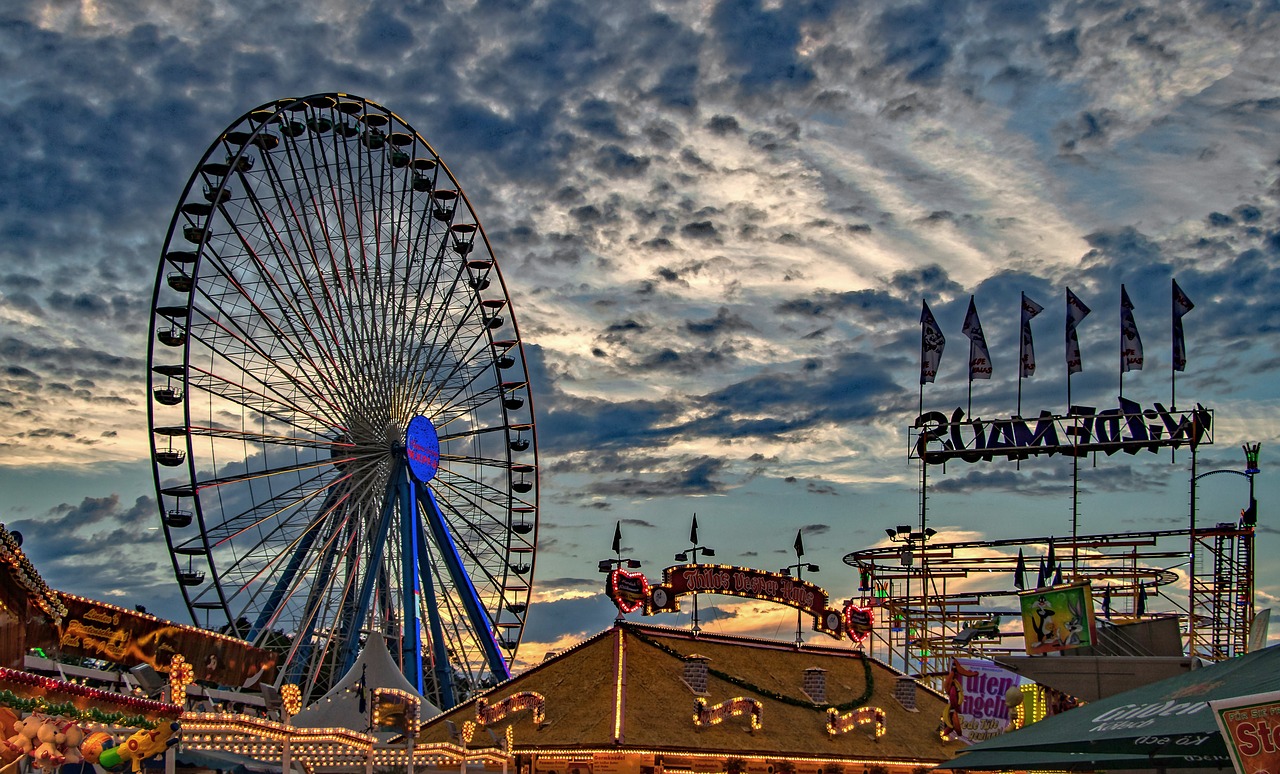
[70, 711]
[25, 573]
[843, 707]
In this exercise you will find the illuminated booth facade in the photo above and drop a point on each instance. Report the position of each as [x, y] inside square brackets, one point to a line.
[639, 699]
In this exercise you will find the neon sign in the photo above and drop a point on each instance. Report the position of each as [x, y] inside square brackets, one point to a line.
[422, 448]
[684, 579]
[858, 621]
[628, 590]
[1130, 428]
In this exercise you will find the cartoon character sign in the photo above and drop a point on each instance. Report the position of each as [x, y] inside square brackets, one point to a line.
[1059, 618]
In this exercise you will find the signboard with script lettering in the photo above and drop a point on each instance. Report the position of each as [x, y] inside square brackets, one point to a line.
[684, 579]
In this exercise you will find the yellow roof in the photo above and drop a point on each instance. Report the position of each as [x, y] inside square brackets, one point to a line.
[586, 694]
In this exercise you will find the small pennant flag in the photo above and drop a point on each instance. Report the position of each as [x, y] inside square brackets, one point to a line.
[979, 356]
[693, 531]
[799, 546]
[1130, 341]
[932, 343]
[1019, 573]
[617, 538]
[1181, 305]
[1027, 352]
[1142, 602]
[1076, 312]
[1050, 561]
[1057, 576]
[1106, 602]
[1042, 575]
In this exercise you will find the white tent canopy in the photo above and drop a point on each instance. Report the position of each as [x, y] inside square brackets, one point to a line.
[340, 707]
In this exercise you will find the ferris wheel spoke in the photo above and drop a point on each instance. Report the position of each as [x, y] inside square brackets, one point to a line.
[282, 508]
[216, 334]
[268, 401]
[283, 251]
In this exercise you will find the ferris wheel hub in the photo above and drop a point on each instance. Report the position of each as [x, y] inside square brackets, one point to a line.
[422, 448]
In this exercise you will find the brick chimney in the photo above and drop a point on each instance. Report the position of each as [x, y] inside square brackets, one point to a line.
[815, 684]
[905, 692]
[695, 673]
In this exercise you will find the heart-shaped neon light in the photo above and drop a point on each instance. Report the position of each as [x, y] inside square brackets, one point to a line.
[628, 590]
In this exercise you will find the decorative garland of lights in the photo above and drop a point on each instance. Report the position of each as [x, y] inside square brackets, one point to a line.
[25, 574]
[69, 710]
[716, 714]
[291, 698]
[839, 724]
[181, 676]
[843, 707]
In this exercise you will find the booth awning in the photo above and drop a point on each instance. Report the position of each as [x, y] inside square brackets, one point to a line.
[1164, 724]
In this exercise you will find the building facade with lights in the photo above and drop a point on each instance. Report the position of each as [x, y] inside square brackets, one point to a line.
[639, 699]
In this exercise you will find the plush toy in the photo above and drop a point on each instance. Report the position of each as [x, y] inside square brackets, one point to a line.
[142, 745]
[95, 744]
[74, 736]
[23, 741]
[47, 756]
[8, 719]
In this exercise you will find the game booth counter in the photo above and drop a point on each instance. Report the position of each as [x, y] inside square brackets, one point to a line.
[113, 707]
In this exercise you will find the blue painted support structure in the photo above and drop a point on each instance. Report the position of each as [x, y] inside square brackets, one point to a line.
[351, 637]
[480, 623]
[439, 652]
[411, 637]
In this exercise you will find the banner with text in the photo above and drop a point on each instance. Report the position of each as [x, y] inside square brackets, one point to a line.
[1251, 727]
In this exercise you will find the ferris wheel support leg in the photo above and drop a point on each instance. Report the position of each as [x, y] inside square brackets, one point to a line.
[439, 653]
[480, 623]
[411, 639]
[285, 583]
[351, 637]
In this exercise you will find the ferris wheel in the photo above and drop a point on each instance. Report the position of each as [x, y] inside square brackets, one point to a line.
[340, 413]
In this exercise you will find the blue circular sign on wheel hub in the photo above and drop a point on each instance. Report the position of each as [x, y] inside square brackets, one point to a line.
[422, 447]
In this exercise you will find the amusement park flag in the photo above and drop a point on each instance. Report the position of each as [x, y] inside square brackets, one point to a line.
[1130, 341]
[1027, 352]
[617, 538]
[1076, 312]
[1020, 572]
[799, 546]
[931, 344]
[979, 355]
[1181, 305]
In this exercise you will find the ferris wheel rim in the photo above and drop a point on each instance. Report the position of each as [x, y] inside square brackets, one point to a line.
[514, 587]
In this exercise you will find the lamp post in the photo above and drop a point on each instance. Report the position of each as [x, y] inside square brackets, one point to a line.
[691, 555]
[798, 568]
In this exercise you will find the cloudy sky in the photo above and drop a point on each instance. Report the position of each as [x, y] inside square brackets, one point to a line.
[717, 222]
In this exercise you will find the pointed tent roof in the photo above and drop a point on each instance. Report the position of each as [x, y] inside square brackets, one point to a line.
[340, 707]
[623, 691]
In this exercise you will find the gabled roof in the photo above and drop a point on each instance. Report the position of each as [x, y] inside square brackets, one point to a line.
[628, 681]
[340, 707]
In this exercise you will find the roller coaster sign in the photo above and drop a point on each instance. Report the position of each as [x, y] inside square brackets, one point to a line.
[1130, 428]
[685, 579]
